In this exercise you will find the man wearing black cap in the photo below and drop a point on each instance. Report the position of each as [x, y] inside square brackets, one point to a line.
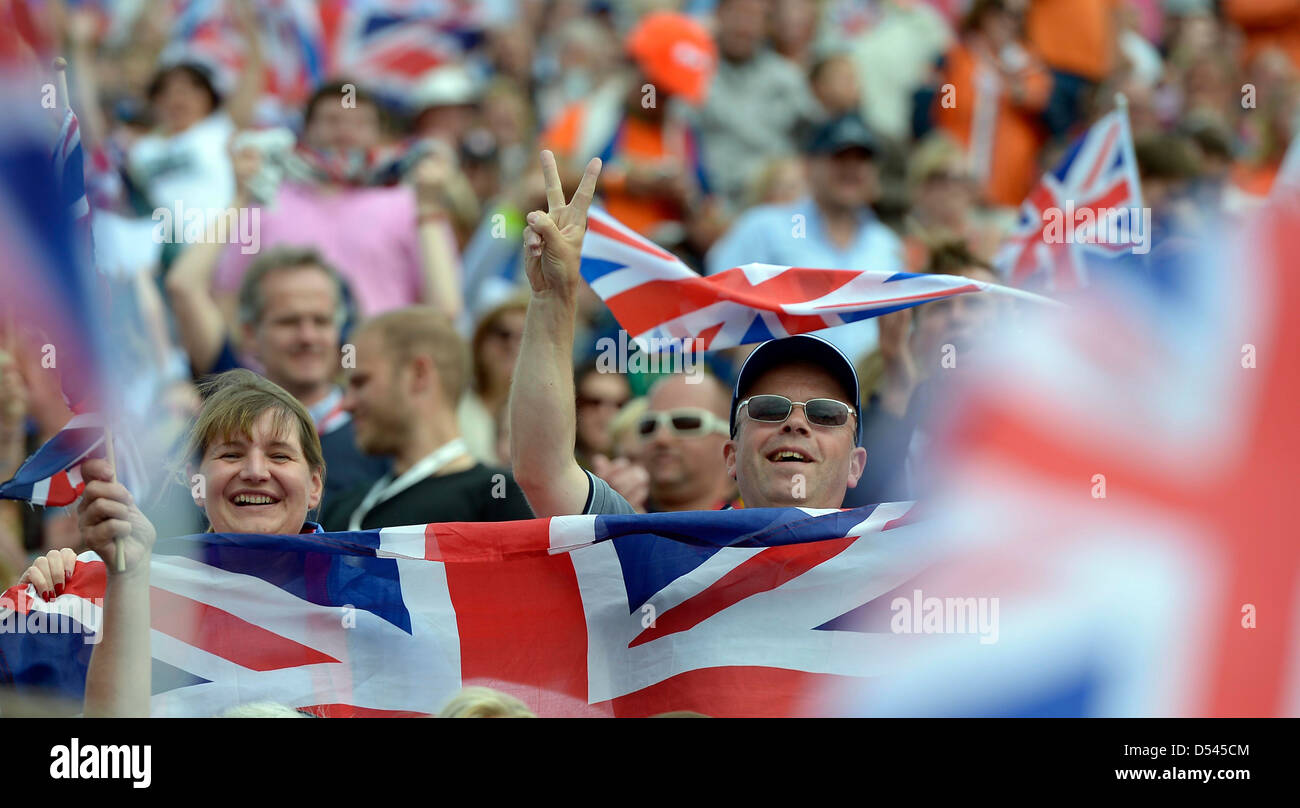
[833, 228]
[795, 430]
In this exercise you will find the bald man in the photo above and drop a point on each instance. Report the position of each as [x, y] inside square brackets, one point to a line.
[682, 436]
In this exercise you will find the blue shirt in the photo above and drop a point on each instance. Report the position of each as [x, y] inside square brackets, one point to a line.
[795, 235]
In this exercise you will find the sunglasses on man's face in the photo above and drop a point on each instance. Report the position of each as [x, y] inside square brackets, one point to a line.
[775, 409]
[686, 422]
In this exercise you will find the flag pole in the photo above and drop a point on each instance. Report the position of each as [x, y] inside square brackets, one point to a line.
[119, 559]
[61, 86]
[61, 81]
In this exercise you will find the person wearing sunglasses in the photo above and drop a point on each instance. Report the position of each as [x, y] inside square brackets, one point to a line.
[796, 434]
[808, 456]
[681, 436]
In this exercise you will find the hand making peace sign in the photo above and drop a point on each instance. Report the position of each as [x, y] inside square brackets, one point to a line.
[553, 239]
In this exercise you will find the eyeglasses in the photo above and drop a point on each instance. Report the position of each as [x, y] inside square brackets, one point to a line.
[774, 409]
[687, 422]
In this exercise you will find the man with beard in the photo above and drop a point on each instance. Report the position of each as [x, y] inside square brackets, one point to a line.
[411, 371]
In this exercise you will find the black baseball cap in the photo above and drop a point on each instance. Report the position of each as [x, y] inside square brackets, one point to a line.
[802, 349]
[845, 132]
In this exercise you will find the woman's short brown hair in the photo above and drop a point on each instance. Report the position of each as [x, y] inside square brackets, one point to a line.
[234, 400]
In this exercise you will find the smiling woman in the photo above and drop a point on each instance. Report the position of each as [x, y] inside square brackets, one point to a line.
[257, 456]
[259, 470]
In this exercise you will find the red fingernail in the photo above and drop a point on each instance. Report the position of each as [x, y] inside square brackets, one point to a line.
[45, 596]
[58, 590]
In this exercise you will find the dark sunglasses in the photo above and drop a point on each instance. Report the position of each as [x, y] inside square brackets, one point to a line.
[685, 422]
[775, 409]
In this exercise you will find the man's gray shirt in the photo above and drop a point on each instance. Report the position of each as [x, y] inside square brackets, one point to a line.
[603, 499]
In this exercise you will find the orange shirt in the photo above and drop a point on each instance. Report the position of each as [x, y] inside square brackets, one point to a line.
[1267, 23]
[1016, 136]
[1256, 180]
[632, 141]
[1074, 36]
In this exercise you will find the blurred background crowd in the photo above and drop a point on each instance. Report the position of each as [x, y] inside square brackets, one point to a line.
[390, 149]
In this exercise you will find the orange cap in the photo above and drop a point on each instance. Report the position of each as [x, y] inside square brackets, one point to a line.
[675, 52]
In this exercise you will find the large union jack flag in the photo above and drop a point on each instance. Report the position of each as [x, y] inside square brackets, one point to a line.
[661, 302]
[1119, 476]
[725, 612]
[1066, 222]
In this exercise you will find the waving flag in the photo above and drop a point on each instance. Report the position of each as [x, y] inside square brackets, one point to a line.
[68, 165]
[661, 301]
[722, 612]
[52, 475]
[292, 44]
[50, 286]
[1120, 476]
[54, 303]
[1088, 208]
[391, 44]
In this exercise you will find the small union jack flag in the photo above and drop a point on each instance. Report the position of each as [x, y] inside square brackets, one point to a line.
[291, 35]
[1089, 207]
[392, 44]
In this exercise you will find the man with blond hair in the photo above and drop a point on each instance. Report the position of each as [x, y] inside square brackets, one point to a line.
[411, 370]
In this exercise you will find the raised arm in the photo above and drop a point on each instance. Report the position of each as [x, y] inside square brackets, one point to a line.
[542, 417]
[200, 323]
[242, 104]
[439, 255]
[118, 682]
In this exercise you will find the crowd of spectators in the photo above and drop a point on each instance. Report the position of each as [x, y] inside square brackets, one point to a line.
[388, 293]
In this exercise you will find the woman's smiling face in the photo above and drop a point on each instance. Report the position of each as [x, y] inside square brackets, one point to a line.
[259, 483]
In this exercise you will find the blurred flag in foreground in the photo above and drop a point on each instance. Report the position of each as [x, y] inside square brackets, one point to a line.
[1115, 478]
[655, 296]
[737, 612]
[52, 475]
[51, 291]
[54, 300]
[1086, 211]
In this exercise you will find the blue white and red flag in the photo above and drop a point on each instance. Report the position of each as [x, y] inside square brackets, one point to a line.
[52, 476]
[391, 44]
[54, 304]
[1086, 210]
[655, 296]
[291, 38]
[735, 612]
[1117, 478]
